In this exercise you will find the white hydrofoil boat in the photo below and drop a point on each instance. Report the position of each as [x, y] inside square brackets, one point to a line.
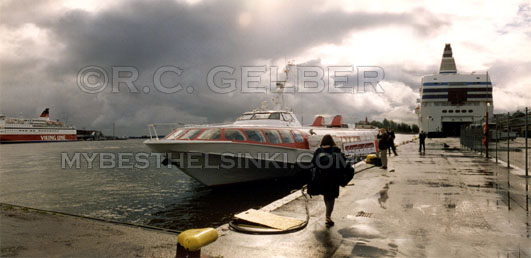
[259, 145]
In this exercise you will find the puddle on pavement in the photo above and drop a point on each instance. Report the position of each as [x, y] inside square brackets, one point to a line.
[451, 193]
[364, 250]
[439, 184]
[383, 196]
[488, 185]
[360, 230]
[459, 156]
[392, 245]
[450, 205]
[475, 172]
[428, 183]
[325, 238]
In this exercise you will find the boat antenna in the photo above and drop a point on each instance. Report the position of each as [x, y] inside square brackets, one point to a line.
[281, 85]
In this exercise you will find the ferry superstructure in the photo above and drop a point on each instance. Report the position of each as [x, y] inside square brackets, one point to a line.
[450, 99]
[41, 129]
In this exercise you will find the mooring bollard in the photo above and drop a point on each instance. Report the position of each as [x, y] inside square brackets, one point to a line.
[189, 242]
[370, 158]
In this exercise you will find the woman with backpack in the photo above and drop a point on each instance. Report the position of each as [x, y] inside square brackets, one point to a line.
[329, 162]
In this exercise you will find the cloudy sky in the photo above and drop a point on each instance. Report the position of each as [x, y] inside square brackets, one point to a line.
[45, 44]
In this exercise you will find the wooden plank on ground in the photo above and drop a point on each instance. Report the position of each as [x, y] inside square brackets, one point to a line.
[268, 219]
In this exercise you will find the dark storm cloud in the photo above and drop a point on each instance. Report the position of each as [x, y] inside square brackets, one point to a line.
[147, 35]
[144, 33]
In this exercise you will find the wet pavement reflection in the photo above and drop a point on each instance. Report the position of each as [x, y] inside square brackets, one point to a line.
[447, 202]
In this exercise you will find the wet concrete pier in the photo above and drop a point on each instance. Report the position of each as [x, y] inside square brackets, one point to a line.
[33, 233]
[445, 203]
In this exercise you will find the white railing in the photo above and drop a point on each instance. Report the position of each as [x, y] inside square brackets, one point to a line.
[152, 128]
[207, 125]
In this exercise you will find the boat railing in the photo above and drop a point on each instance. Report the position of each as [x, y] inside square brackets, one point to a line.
[154, 134]
[207, 125]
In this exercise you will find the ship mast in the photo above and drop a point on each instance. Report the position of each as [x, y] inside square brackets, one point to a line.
[280, 86]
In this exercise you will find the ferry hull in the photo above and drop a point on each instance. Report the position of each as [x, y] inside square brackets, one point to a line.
[221, 171]
[21, 138]
[212, 165]
[41, 129]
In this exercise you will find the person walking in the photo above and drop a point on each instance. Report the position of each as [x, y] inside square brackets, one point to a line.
[383, 145]
[392, 141]
[422, 141]
[329, 160]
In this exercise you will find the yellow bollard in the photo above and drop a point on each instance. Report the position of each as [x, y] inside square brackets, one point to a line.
[370, 158]
[189, 242]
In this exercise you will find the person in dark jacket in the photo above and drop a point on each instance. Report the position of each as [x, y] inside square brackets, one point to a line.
[383, 145]
[392, 141]
[422, 141]
[327, 158]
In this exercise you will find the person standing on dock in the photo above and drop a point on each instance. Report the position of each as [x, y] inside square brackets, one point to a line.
[392, 137]
[329, 161]
[422, 141]
[383, 145]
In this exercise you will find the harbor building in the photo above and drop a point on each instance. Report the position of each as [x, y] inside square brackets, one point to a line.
[449, 100]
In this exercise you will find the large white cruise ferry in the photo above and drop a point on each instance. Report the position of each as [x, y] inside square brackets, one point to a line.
[41, 129]
[449, 99]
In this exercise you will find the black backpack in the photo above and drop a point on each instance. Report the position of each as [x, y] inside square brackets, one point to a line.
[314, 186]
[328, 163]
[347, 171]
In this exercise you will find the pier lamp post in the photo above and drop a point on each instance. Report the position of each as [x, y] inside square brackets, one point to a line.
[487, 104]
[428, 131]
[487, 130]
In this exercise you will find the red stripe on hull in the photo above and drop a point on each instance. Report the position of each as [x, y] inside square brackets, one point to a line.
[37, 137]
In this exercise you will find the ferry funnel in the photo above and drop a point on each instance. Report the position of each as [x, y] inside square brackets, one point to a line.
[447, 62]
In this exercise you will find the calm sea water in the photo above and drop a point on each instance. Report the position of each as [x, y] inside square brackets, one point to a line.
[32, 175]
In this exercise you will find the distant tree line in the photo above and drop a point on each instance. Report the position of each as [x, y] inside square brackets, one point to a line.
[397, 127]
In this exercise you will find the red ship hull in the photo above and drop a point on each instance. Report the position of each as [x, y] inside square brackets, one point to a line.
[21, 138]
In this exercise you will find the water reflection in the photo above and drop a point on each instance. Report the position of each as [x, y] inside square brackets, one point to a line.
[383, 196]
[207, 207]
[514, 190]
[156, 195]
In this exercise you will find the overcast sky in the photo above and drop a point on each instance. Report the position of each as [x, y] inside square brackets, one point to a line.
[45, 44]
